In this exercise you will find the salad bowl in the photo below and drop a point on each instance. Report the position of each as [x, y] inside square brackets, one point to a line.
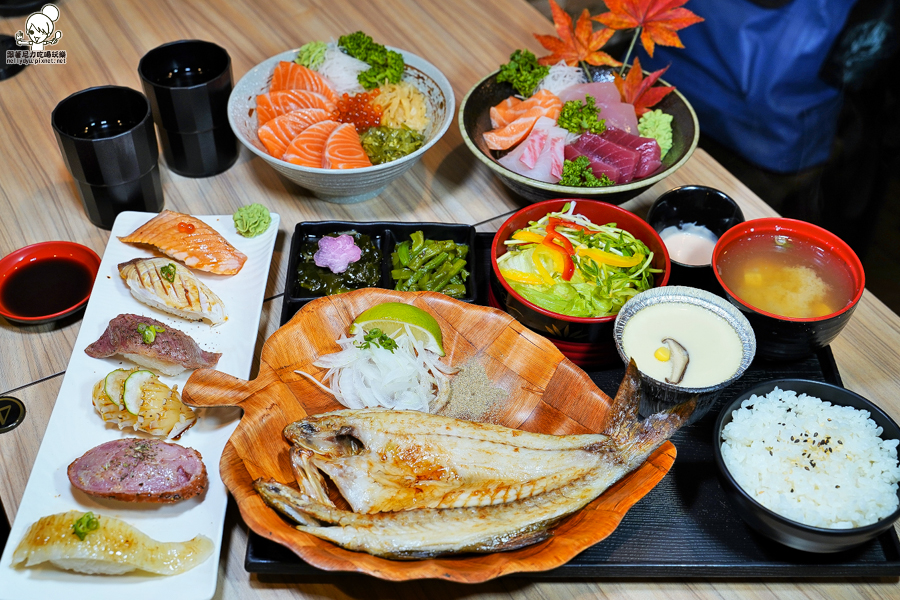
[475, 120]
[547, 394]
[342, 186]
[584, 340]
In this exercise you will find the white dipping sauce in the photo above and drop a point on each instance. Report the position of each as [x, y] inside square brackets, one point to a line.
[689, 243]
[714, 348]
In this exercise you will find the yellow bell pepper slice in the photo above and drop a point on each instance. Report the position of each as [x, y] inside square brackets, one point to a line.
[524, 235]
[537, 254]
[521, 277]
[608, 258]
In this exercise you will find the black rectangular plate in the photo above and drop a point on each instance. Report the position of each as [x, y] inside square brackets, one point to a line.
[385, 235]
[685, 526]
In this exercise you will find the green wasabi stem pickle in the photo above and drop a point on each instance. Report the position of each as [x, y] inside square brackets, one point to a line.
[85, 524]
[384, 144]
[311, 55]
[252, 220]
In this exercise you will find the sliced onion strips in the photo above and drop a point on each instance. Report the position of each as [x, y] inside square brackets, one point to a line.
[409, 378]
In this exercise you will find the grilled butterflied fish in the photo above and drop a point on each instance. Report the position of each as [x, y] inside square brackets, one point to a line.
[90, 543]
[492, 488]
[173, 288]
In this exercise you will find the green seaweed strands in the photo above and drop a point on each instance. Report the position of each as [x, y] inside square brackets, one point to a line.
[385, 65]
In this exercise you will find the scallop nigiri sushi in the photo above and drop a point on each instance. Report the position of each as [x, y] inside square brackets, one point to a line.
[160, 283]
[189, 240]
[97, 544]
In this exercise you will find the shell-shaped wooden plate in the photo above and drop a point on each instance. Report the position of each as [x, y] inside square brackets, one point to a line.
[547, 394]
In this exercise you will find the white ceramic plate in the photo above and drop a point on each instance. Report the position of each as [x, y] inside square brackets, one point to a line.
[75, 427]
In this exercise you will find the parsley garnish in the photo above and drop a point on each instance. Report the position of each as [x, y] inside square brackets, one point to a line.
[578, 173]
[579, 117]
[379, 338]
[523, 72]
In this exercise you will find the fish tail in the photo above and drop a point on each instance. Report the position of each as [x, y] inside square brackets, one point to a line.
[637, 439]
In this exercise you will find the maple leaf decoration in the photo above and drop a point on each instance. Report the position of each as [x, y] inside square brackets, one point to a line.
[575, 44]
[658, 19]
[638, 90]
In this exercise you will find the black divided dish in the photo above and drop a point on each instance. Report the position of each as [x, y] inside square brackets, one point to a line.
[385, 236]
[685, 526]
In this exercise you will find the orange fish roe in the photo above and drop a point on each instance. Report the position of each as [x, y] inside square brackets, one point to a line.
[359, 110]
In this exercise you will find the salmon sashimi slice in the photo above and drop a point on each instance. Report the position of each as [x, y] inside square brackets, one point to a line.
[277, 134]
[512, 108]
[500, 114]
[308, 148]
[189, 240]
[343, 149]
[508, 136]
[274, 104]
[291, 76]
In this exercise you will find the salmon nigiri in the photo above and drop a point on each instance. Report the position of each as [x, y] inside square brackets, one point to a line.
[343, 149]
[308, 148]
[273, 104]
[291, 76]
[276, 135]
[189, 240]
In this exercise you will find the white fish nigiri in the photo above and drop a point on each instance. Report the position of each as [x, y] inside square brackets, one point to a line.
[112, 547]
[171, 287]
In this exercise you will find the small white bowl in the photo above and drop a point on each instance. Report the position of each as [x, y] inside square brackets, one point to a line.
[342, 186]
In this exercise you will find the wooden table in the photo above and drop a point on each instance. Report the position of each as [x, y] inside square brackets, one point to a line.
[464, 38]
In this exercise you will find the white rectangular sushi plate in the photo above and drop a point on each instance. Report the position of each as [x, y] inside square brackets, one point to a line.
[75, 427]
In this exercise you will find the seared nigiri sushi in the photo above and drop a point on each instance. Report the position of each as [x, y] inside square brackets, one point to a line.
[189, 240]
[160, 283]
[97, 544]
[166, 349]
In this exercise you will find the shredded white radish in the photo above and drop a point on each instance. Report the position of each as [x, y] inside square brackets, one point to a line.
[560, 77]
[409, 378]
[341, 70]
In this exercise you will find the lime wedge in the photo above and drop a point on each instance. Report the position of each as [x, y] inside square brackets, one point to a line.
[391, 317]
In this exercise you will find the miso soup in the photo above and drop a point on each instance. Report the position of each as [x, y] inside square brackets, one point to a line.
[786, 276]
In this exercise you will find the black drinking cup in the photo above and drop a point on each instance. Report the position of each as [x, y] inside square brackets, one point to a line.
[107, 140]
[188, 83]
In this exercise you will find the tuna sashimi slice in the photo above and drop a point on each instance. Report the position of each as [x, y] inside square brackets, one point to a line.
[291, 76]
[277, 134]
[619, 115]
[512, 108]
[647, 148]
[308, 148]
[541, 155]
[598, 167]
[603, 92]
[624, 159]
[343, 149]
[273, 104]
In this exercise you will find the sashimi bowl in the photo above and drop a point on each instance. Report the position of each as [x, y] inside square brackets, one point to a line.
[475, 121]
[342, 186]
[546, 393]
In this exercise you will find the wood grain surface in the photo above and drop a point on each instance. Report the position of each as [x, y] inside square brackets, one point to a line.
[465, 39]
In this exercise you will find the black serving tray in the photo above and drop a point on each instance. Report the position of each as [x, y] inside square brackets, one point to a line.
[385, 236]
[685, 526]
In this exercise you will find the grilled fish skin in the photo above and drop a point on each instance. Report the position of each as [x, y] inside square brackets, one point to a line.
[184, 296]
[428, 532]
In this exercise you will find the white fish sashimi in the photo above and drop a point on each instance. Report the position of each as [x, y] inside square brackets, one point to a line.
[603, 92]
[619, 115]
[540, 155]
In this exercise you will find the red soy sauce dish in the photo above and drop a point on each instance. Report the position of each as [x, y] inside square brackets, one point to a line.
[46, 281]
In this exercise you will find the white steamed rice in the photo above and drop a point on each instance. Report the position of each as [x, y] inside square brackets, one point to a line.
[812, 462]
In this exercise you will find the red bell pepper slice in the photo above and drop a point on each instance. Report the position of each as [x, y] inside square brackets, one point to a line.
[564, 247]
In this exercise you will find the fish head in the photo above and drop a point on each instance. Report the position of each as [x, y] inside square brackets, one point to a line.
[325, 436]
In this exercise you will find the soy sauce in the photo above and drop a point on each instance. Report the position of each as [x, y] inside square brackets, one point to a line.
[45, 287]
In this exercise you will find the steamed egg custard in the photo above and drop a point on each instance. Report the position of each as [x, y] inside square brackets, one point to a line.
[682, 344]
